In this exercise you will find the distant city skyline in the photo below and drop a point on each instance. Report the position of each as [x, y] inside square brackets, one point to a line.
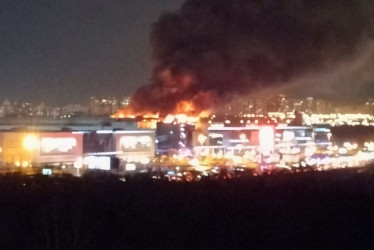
[107, 106]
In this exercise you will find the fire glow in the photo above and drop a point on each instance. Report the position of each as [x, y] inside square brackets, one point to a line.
[185, 112]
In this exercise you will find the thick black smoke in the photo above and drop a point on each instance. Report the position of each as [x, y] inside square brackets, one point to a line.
[211, 49]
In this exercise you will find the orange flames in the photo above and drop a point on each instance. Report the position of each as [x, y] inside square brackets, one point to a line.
[185, 112]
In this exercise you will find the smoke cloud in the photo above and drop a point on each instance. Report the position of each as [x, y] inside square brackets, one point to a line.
[210, 50]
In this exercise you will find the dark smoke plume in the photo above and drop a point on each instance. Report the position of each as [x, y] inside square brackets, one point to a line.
[213, 49]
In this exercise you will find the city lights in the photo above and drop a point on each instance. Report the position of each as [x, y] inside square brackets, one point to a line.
[187, 124]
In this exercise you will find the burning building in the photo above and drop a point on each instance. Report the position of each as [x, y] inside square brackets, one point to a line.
[211, 50]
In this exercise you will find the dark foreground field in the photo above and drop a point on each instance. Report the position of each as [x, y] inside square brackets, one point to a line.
[331, 210]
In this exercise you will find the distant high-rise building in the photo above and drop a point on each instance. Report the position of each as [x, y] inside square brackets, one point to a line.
[369, 106]
[125, 102]
[103, 106]
[277, 103]
[8, 107]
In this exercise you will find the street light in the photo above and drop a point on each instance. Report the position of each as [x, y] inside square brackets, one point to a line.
[30, 142]
[201, 138]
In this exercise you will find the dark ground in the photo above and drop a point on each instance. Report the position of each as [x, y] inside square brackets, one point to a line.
[314, 210]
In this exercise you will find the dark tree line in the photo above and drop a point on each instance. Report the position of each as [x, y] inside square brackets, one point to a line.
[313, 210]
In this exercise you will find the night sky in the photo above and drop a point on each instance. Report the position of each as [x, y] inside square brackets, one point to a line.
[66, 51]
